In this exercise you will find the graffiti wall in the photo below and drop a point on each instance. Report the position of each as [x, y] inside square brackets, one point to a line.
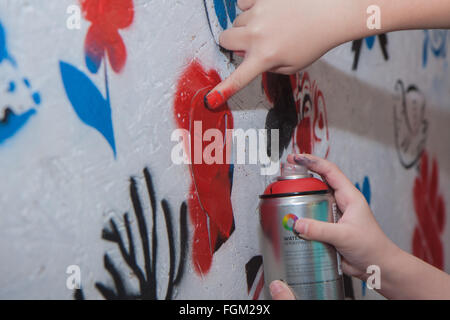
[93, 205]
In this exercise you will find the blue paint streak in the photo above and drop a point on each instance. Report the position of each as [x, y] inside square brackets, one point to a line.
[367, 192]
[370, 41]
[225, 10]
[440, 51]
[13, 123]
[4, 54]
[221, 13]
[26, 82]
[231, 175]
[11, 87]
[88, 102]
[36, 98]
[93, 63]
[231, 8]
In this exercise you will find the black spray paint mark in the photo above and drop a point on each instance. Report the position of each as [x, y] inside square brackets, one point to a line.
[410, 124]
[255, 284]
[145, 275]
[348, 288]
[357, 46]
[283, 116]
[251, 270]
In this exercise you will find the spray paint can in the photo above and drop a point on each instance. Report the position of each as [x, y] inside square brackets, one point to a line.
[312, 269]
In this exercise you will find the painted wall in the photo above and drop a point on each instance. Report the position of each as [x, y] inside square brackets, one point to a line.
[86, 118]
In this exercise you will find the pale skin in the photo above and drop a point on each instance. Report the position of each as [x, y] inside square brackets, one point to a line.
[361, 243]
[285, 36]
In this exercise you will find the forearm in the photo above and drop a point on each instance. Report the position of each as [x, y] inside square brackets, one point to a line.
[415, 14]
[395, 15]
[404, 276]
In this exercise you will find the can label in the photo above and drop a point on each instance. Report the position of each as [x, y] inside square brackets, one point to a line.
[310, 268]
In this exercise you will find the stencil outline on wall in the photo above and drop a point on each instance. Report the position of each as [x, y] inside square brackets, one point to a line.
[13, 120]
[410, 124]
[103, 43]
[146, 274]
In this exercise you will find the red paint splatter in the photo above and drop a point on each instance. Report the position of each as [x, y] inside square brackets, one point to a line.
[209, 204]
[430, 212]
[312, 135]
[107, 17]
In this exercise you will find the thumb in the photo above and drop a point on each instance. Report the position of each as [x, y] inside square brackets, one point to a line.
[312, 229]
[280, 291]
[248, 70]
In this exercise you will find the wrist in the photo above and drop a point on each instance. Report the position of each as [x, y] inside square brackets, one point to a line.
[356, 19]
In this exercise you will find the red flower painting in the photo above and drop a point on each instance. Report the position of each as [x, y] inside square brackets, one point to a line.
[209, 199]
[430, 211]
[103, 38]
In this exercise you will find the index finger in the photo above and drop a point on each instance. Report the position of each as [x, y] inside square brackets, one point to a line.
[248, 70]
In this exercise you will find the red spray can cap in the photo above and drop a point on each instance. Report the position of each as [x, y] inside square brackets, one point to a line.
[294, 180]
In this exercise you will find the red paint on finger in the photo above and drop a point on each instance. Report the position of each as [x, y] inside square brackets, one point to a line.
[218, 98]
[430, 212]
[209, 201]
[239, 53]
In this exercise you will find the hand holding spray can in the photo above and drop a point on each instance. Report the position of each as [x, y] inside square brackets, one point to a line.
[311, 269]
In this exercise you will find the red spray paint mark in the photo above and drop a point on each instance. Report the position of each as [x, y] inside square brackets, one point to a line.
[312, 135]
[430, 211]
[107, 17]
[209, 205]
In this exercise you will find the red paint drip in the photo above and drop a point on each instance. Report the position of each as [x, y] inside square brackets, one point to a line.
[430, 212]
[209, 204]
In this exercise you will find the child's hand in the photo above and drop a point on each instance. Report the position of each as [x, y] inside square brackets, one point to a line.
[357, 236]
[284, 36]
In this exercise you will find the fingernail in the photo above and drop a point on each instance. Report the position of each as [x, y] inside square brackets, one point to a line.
[213, 100]
[275, 287]
[302, 160]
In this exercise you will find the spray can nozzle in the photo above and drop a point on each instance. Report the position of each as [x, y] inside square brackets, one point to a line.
[293, 171]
